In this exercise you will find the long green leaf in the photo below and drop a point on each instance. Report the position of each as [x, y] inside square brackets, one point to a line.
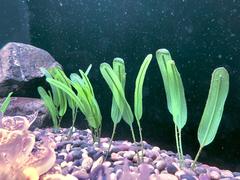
[118, 92]
[214, 107]
[139, 87]
[5, 104]
[119, 69]
[163, 56]
[50, 105]
[177, 95]
[67, 90]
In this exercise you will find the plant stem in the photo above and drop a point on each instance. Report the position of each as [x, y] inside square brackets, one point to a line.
[134, 141]
[180, 147]
[196, 157]
[110, 143]
[141, 139]
[177, 142]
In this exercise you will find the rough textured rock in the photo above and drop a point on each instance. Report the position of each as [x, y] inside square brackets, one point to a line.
[26, 106]
[20, 63]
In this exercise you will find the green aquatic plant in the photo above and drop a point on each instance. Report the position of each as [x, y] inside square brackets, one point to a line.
[116, 113]
[213, 110]
[175, 95]
[56, 100]
[85, 100]
[5, 104]
[116, 78]
[48, 102]
[138, 95]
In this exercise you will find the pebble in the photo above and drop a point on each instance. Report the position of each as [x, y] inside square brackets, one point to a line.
[226, 173]
[187, 177]
[129, 154]
[116, 157]
[167, 177]
[160, 165]
[204, 177]
[83, 159]
[87, 163]
[98, 162]
[200, 170]
[171, 169]
[214, 175]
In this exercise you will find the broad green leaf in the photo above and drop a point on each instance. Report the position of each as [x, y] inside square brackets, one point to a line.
[139, 87]
[163, 56]
[49, 104]
[6, 103]
[214, 107]
[177, 95]
[119, 69]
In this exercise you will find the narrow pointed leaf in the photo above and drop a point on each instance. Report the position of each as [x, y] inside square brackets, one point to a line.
[139, 87]
[6, 103]
[48, 102]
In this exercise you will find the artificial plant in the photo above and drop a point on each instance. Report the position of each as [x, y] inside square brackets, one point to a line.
[175, 95]
[213, 110]
[115, 78]
[56, 100]
[84, 99]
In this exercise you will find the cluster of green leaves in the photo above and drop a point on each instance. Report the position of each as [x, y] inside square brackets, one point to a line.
[115, 77]
[57, 100]
[78, 92]
[177, 103]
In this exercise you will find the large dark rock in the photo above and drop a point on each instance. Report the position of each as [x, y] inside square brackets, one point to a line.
[21, 106]
[20, 63]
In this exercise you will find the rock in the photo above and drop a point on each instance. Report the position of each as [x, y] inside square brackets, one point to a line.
[236, 174]
[167, 177]
[226, 174]
[20, 63]
[77, 162]
[160, 165]
[187, 177]
[98, 162]
[171, 169]
[22, 106]
[129, 154]
[76, 155]
[214, 175]
[87, 163]
[116, 157]
[200, 170]
[203, 177]
[80, 174]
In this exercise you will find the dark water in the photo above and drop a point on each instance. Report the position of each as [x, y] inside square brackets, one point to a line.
[201, 35]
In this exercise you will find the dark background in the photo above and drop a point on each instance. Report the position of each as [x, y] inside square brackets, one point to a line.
[200, 34]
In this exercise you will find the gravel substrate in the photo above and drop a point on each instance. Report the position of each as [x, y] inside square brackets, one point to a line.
[79, 158]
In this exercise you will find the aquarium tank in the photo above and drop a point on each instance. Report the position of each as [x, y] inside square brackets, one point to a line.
[110, 89]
